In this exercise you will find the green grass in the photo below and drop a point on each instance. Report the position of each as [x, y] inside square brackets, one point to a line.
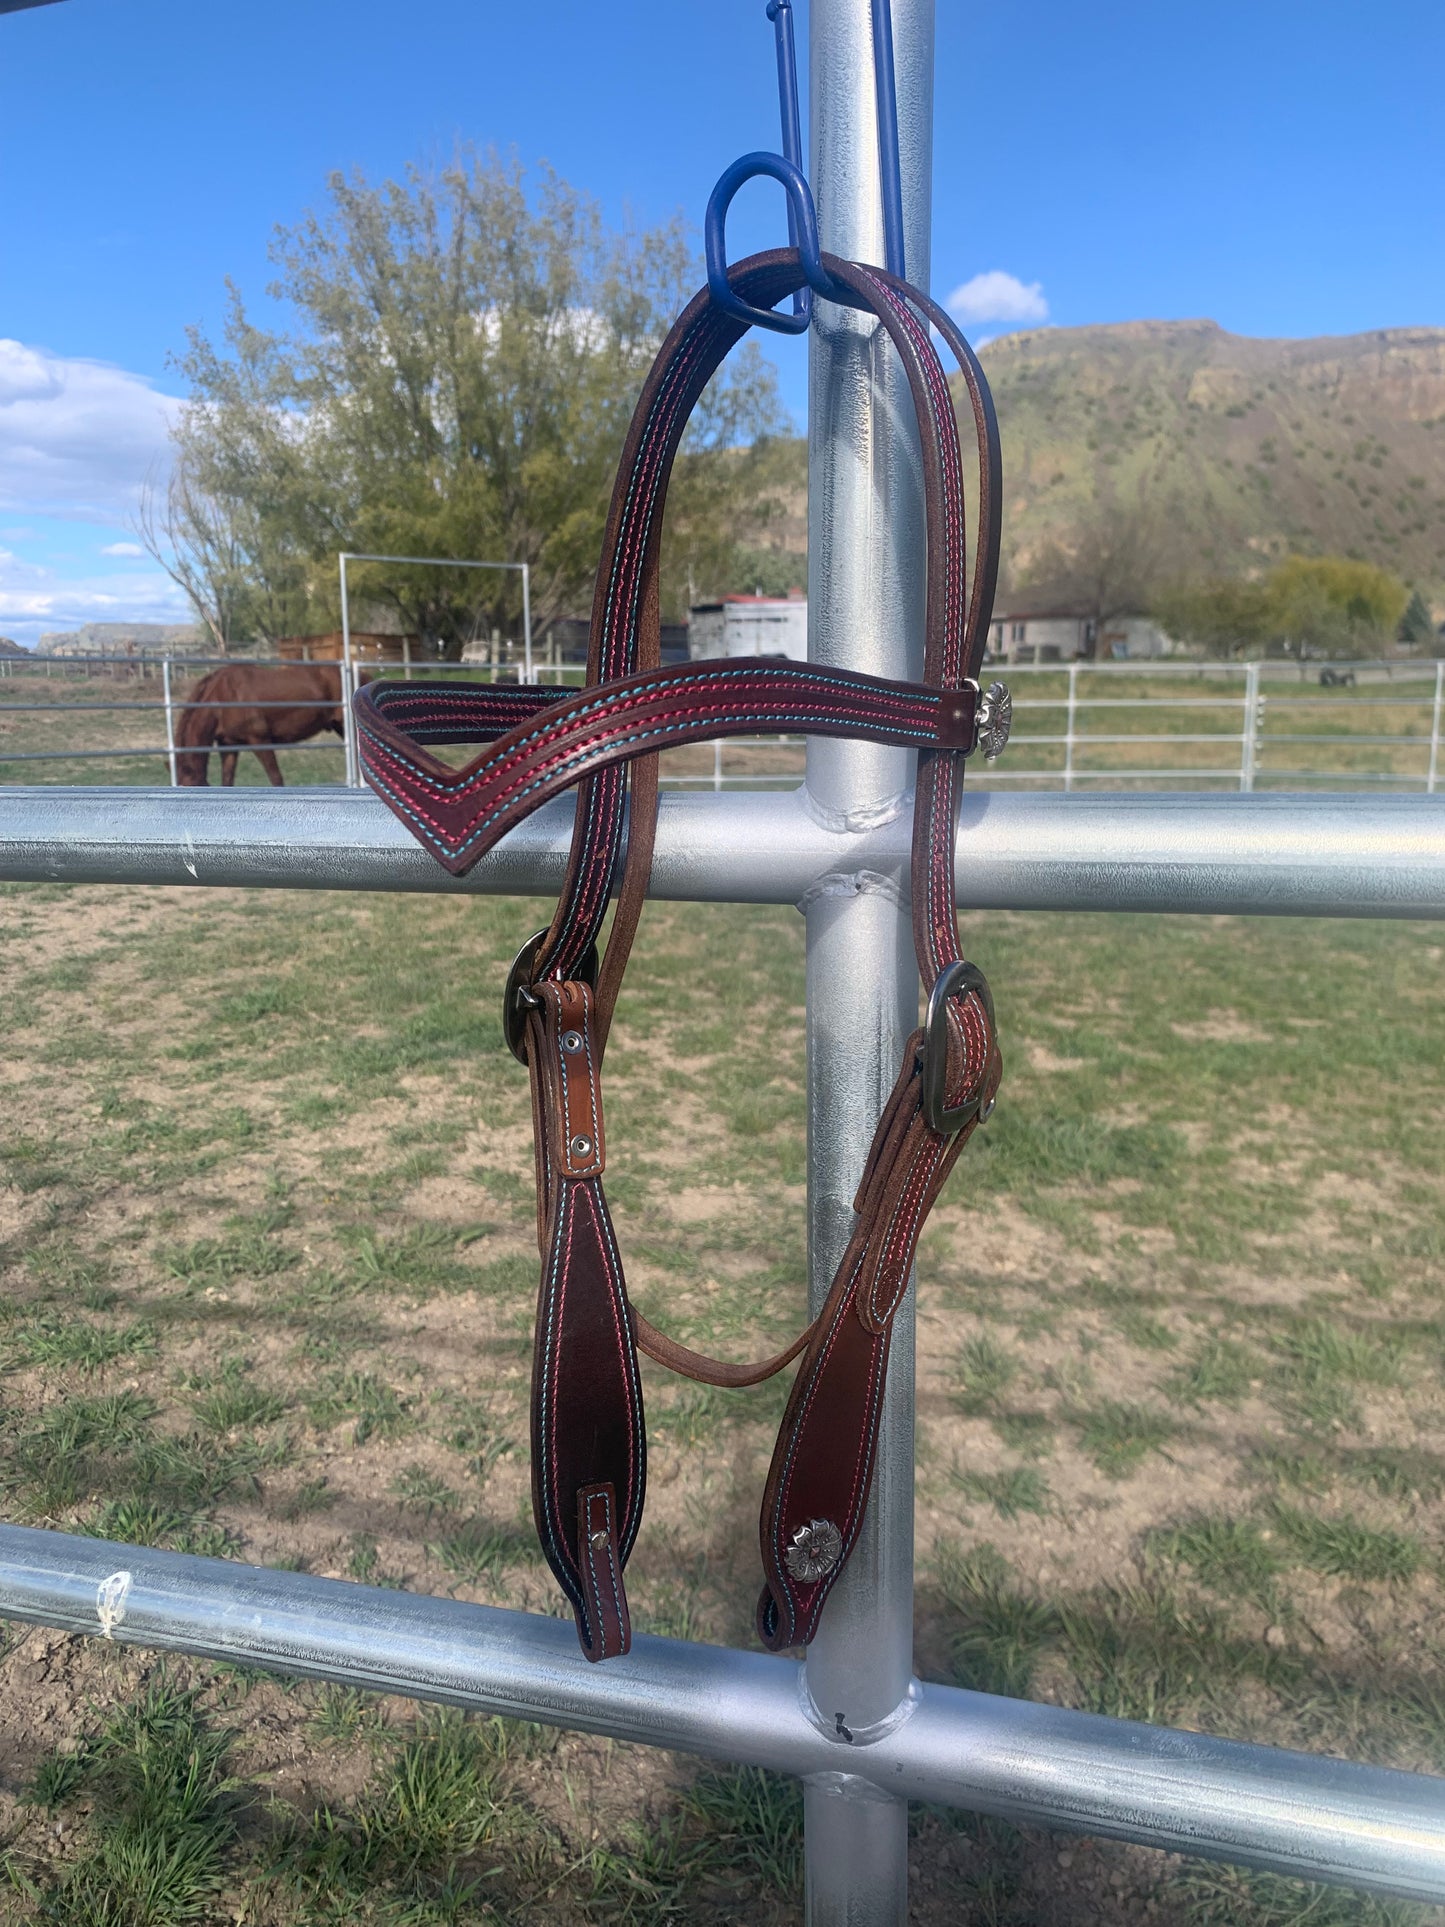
[1346, 1548]
[246, 1251]
[274, 1301]
[54, 1340]
[1214, 1896]
[998, 1630]
[233, 1401]
[985, 1371]
[1118, 1436]
[377, 1409]
[1229, 1555]
[162, 1816]
[1020, 1488]
[423, 1491]
[1221, 1371]
[477, 1552]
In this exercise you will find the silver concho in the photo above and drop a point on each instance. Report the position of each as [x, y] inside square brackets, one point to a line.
[815, 1550]
[995, 719]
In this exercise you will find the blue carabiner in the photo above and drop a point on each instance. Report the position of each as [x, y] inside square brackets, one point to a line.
[787, 168]
[802, 224]
[780, 12]
[889, 170]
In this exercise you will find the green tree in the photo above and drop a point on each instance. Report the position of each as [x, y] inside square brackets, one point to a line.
[463, 357]
[1332, 606]
[1223, 617]
[1110, 562]
[1416, 627]
[1306, 606]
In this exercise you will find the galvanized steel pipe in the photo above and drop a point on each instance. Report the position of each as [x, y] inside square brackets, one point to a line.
[1293, 1813]
[866, 571]
[1260, 855]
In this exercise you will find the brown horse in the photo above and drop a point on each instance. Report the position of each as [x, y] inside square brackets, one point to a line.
[230, 710]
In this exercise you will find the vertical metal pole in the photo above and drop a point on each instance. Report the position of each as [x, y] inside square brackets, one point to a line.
[1433, 775]
[1069, 726]
[170, 720]
[352, 778]
[717, 766]
[1249, 740]
[865, 611]
[526, 623]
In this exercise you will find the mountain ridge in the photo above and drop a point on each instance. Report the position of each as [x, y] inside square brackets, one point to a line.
[1251, 447]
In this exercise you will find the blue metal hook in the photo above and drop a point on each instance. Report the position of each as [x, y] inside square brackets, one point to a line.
[787, 169]
[802, 221]
[889, 170]
[780, 12]
[802, 229]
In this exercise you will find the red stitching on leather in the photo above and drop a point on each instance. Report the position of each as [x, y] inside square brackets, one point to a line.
[809, 1399]
[534, 766]
[804, 684]
[622, 1333]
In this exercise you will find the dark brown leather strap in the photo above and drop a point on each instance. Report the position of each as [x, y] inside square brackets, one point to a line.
[589, 1445]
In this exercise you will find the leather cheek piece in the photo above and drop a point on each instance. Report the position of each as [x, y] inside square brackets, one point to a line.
[888, 1264]
[821, 1474]
[908, 1164]
[587, 1419]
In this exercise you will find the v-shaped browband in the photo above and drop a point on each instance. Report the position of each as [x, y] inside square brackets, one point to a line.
[588, 1436]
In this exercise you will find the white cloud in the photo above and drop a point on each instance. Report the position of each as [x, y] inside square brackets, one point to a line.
[35, 598]
[76, 437]
[122, 548]
[997, 296]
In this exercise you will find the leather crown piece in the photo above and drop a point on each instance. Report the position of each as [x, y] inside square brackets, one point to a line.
[588, 1434]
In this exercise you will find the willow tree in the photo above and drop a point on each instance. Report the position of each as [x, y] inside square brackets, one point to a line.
[460, 355]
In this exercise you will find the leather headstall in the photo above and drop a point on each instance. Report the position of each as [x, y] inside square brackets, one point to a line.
[588, 1435]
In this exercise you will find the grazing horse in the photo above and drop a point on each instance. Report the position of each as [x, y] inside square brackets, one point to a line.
[231, 709]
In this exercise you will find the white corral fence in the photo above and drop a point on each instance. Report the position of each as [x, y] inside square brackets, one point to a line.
[1182, 725]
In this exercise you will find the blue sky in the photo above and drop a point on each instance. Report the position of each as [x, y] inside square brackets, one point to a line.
[1277, 166]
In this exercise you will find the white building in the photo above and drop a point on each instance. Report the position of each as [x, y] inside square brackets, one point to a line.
[1052, 635]
[750, 625]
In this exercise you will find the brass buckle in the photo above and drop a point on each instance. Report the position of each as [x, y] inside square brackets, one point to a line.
[958, 978]
[517, 998]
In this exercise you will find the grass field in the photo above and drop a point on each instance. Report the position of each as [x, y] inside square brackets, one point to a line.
[268, 1270]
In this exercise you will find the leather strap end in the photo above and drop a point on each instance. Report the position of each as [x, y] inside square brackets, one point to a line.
[604, 1626]
[958, 720]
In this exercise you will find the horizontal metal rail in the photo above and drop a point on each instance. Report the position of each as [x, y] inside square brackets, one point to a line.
[1086, 742]
[1259, 855]
[182, 749]
[1294, 1813]
[1220, 774]
[1230, 701]
[158, 703]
